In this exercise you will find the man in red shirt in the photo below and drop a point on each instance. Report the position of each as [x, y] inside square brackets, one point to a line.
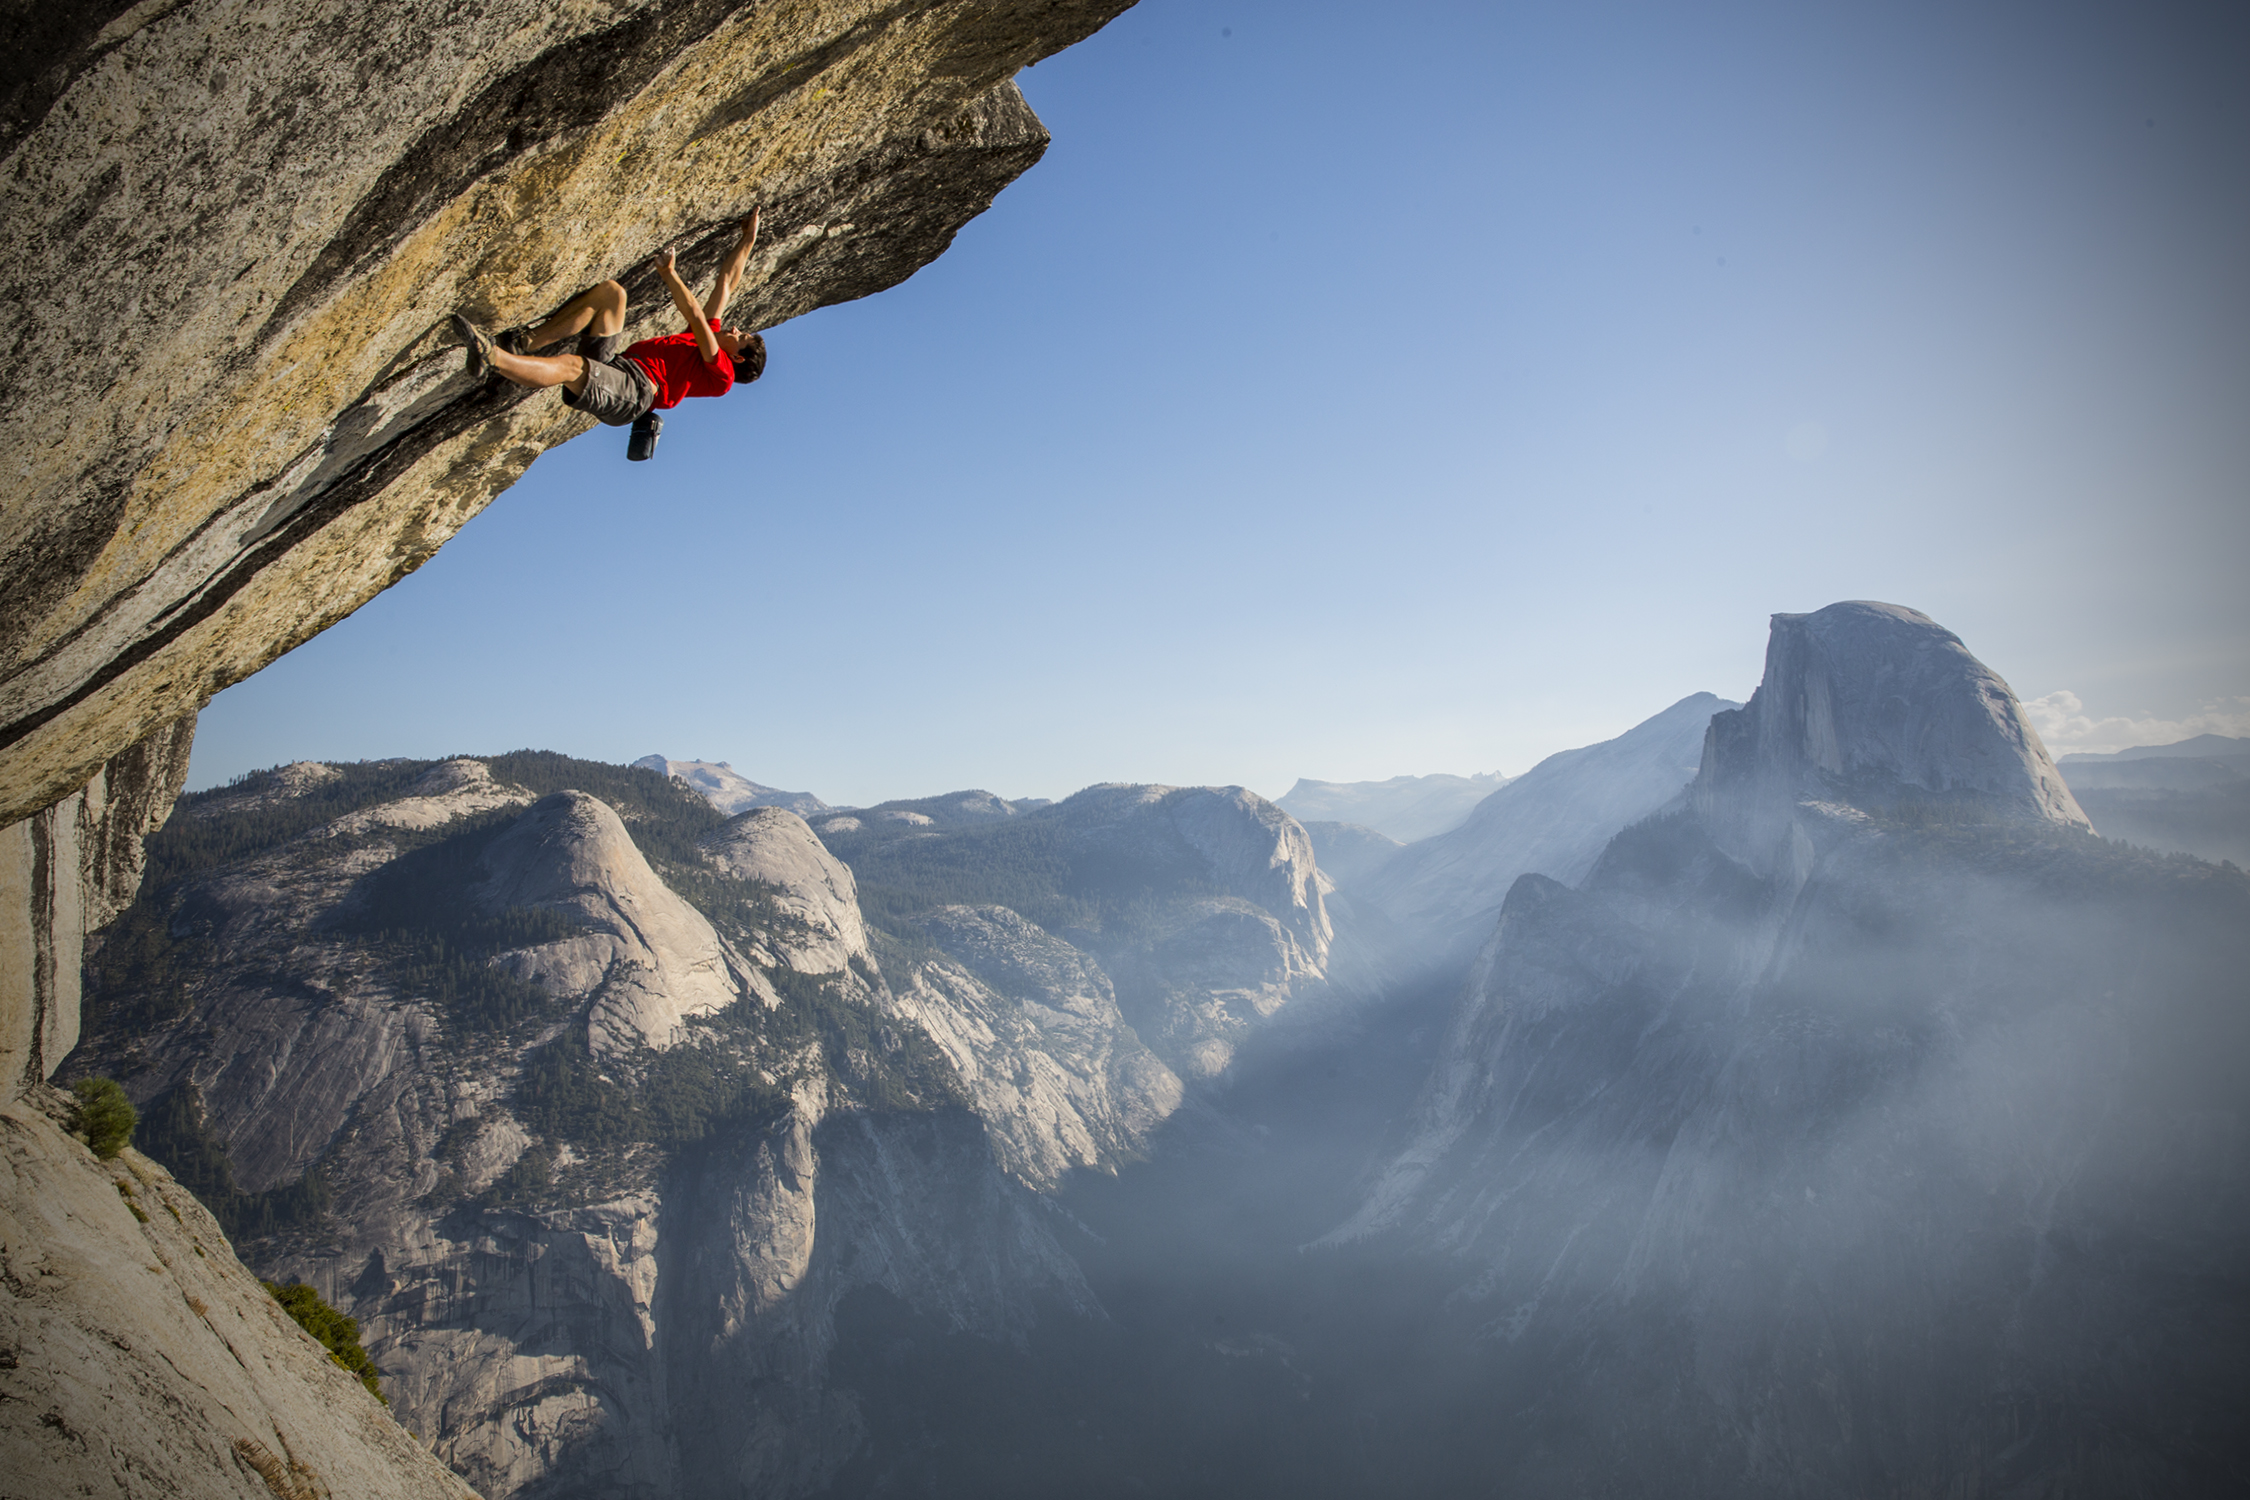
[617, 385]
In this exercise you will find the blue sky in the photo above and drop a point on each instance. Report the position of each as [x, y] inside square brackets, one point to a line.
[1361, 390]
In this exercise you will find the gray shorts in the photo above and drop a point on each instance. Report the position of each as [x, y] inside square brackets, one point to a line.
[617, 390]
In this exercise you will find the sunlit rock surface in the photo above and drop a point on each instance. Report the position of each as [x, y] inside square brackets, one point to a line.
[454, 789]
[65, 871]
[650, 959]
[773, 1232]
[559, 1305]
[811, 886]
[1203, 906]
[269, 213]
[121, 1295]
[1870, 704]
[1032, 1026]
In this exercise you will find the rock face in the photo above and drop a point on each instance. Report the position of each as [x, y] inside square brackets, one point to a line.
[1202, 905]
[271, 213]
[1817, 1138]
[1869, 704]
[455, 789]
[649, 960]
[612, 1159]
[1441, 895]
[64, 872]
[810, 886]
[615, 1158]
[1032, 1026]
[774, 1232]
[728, 789]
[121, 1295]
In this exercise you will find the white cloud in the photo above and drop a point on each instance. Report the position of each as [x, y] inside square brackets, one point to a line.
[2067, 725]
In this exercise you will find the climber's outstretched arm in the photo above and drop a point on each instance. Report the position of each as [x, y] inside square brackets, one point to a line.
[730, 273]
[706, 342]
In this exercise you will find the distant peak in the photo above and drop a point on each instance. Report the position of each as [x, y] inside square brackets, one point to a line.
[1869, 704]
[728, 789]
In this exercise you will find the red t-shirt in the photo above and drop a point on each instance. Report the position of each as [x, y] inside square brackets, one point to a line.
[677, 367]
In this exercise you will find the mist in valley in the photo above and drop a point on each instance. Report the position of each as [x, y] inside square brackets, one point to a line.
[1952, 1199]
[1854, 1119]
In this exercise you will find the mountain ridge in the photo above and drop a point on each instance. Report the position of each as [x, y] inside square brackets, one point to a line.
[1445, 891]
[512, 1009]
[729, 790]
[1405, 808]
[2200, 745]
[1755, 1130]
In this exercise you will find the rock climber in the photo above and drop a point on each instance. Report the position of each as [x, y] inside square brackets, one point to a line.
[615, 385]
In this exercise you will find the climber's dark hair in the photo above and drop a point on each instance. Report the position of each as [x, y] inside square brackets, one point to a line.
[750, 360]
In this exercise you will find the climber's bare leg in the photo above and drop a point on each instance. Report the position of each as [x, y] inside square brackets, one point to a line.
[599, 310]
[539, 372]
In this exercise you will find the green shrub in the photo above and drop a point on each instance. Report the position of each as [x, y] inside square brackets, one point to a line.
[338, 1334]
[105, 1115]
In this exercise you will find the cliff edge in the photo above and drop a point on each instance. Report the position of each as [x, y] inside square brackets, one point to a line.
[123, 1298]
[233, 410]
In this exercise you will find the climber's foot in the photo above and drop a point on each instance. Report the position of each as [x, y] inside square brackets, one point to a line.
[480, 347]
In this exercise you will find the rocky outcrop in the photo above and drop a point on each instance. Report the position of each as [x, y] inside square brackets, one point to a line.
[525, 1344]
[453, 789]
[812, 889]
[122, 1296]
[567, 1284]
[1441, 896]
[269, 215]
[675, 1340]
[1254, 850]
[1032, 1026]
[1236, 926]
[263, 217]
[774, 1231]
[648, 960]
[1870, 704]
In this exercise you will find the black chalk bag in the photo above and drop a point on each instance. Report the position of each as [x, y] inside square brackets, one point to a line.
[641, 446]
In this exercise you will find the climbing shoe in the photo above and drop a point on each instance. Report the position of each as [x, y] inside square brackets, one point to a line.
[480, 347]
